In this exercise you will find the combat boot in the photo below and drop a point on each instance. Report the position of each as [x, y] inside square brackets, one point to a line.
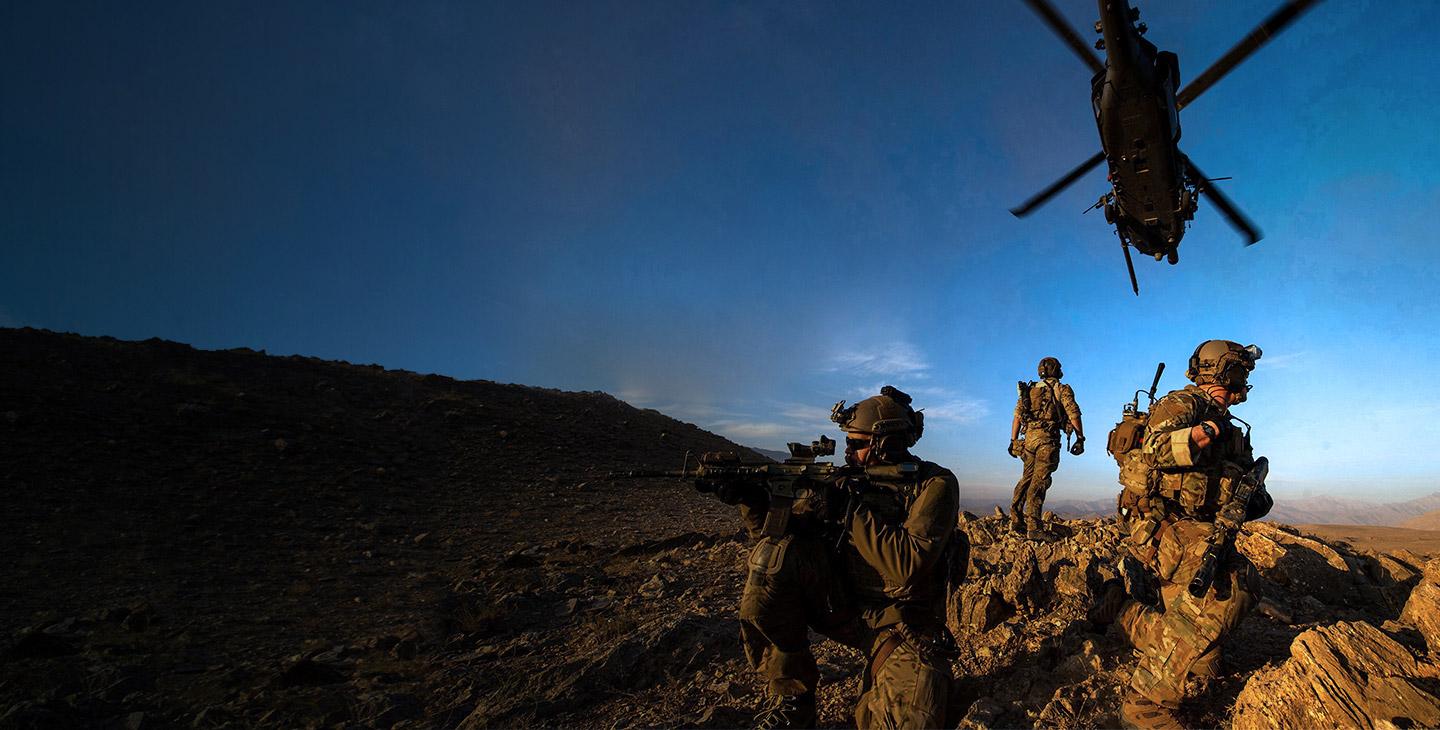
[1141, 713]
[787, 711]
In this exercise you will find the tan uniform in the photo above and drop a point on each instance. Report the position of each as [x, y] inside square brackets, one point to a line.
[1051, 407]
[1180, 489]
[888, 580]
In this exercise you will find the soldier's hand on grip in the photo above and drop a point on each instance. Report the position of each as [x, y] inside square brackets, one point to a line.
[1078, 447]
[1016, 446]
[735, 492]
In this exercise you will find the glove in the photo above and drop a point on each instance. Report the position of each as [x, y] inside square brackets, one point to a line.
[1078, 447]
[1016, 446]
[735, 492]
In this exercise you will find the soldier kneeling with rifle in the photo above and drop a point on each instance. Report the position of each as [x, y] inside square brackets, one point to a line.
[860, 553]
[1189, 482]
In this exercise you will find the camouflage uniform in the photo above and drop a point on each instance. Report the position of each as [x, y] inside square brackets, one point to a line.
[1172, 494]
[1051, 407]
[887, 581]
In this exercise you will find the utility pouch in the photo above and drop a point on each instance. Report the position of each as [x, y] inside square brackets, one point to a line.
[1137, 476]
[1126, 436]
[769, 554]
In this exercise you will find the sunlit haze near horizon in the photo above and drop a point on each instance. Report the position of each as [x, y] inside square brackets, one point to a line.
[739, 213]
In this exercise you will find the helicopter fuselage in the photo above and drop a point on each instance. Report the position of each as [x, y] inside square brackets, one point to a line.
[1134, 103]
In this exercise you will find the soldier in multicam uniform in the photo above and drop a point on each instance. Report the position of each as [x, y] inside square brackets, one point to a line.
[1187, 468]
[1043, 409]
[882, 592]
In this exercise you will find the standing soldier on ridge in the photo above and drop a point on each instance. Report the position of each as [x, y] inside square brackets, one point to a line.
[1189, 481]
[1043, 409]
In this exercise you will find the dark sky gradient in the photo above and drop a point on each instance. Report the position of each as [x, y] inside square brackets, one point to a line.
[736, 213]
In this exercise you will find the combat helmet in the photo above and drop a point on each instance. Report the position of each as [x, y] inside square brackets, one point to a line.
[1224, 362]
[882, 415]
[1050, 368]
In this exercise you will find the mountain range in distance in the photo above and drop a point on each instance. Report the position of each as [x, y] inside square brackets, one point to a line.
[1421, 513]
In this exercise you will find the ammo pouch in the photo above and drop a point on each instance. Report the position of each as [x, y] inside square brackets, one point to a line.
[769, 554]
[1138, 485]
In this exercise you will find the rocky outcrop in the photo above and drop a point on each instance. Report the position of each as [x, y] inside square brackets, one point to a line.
[1422, 610]
[1299, 564]
[1348, 674]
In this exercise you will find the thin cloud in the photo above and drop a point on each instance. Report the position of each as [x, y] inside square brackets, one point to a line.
[939, 403]
[895, 359]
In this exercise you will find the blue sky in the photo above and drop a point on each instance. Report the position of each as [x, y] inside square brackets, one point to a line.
[737, 213]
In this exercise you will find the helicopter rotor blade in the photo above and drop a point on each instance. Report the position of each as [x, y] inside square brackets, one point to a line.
[1064, 182]
[1227, 208]
[1130, 266]
[1262, 34]
[1047, 12]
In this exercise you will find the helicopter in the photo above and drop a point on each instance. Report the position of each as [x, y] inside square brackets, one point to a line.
[1136, 97]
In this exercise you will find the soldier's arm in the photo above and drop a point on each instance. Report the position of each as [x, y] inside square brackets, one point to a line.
[1072, 409]
[1169, 440]
[906, 552]
[1015, 426]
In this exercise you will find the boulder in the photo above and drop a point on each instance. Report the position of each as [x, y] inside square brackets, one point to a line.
[1305, 566]
[1349, 674]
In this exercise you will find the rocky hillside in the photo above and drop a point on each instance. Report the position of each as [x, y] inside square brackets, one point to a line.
[1428, 521]
[187, 531]
[226, 539]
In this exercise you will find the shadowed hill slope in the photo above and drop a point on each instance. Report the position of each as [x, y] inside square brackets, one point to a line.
[241, 509]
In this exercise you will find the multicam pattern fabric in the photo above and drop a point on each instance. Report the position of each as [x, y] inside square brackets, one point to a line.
[1051, 405]
[909, 691]
[1178, 491]
[1184, 638]
[1041, 457]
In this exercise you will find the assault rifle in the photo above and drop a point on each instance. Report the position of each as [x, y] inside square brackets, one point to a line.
[799, 477]
[1227, 525]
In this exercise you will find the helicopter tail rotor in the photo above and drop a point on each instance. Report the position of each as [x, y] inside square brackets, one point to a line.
[1044, 195]
[1278, 21]
[1227, 208]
